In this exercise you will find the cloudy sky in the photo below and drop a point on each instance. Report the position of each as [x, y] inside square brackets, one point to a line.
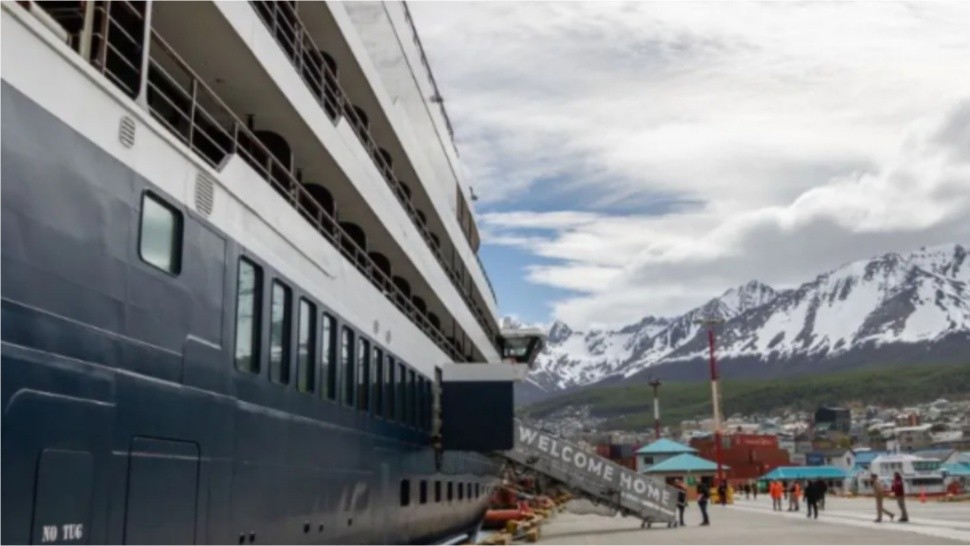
[641, 158]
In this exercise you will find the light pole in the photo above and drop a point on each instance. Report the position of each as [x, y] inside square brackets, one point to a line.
[710, 323]
[655, 383]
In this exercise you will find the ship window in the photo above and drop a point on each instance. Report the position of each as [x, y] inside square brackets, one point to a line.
[423, 492]
[389, 390]
[377, 382]
[418, 401]
[423, 385]
[427, 404]
[412, 399]
[279, 334]
[305, 358]
[401, 393]
[437, 491]
[461, 491]
[328, 357]
[451, 491]
[347, 362]
[478, 490]
[160, 237]
[468, 488]
[363, 372]
[248, 289]
[405, 492]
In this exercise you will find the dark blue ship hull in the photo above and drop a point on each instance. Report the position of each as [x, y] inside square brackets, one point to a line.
[124, 418]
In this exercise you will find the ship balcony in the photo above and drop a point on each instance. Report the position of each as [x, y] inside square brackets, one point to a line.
[216, 52]
[202, 99]
[521, 345]
[306, 32]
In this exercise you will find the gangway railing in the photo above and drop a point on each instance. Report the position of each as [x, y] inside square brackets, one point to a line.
[591, 476]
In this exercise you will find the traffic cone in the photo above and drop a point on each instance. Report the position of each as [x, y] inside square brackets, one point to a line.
[922, 495]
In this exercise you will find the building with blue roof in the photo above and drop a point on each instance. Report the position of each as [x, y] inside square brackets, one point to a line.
[658, 451]
[798, 473]
[864, 458]
[687, 467]
[685, 463]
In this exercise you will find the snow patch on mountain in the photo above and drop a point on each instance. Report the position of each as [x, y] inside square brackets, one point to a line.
[917, 297]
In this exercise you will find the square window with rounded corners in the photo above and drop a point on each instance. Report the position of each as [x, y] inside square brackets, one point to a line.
[160, 234]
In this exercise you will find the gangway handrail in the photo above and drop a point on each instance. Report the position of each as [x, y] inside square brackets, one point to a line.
[592, 476]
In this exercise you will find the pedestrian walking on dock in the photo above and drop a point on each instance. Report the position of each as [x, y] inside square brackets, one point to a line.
[775, 491]
[879, 490]
[823, 488]
[811, 498]
[754, 490]
[899, 490]
[703, 496]
[722, 493]
[794, 492]
[681, 501]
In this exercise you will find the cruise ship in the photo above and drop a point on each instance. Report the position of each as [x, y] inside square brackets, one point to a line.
[241, 296]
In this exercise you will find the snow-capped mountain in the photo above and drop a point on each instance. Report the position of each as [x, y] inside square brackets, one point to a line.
[917, 299]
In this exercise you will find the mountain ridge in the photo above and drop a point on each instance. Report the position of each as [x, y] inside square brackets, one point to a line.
[913, 298]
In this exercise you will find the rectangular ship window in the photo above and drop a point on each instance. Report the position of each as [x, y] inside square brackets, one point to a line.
[160, 235]
[451, 491]
[437, 491]
[428, 404]
[249, 284]
[416, 401]
[279, 334]
[402, 393]
[431, 389]
[377, 382]
[328, 358]
[389, 390]
[306, 346]
[412, 399]
[363, 371]
[347, 363]
[405, 492]
[423, 492]
[419, 387]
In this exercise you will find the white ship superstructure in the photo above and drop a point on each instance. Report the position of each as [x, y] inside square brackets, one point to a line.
[241, 274]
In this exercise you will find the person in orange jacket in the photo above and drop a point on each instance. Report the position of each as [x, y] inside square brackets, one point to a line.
[794, 494]
[774, 489]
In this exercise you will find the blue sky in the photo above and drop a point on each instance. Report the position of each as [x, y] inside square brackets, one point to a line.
[641, 158]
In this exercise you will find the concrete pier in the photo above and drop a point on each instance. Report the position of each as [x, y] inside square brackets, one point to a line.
[845, 521]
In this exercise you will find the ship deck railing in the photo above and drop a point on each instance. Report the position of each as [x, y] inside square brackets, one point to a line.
[184, 104]
[217, 136]
[286, 27]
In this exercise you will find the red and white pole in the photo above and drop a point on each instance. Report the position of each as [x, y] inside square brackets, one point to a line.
[716, 401]
[656, 406]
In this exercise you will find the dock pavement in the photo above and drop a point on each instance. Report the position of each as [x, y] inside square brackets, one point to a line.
[845, 521]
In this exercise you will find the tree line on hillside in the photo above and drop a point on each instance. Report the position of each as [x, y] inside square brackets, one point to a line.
[630, 406]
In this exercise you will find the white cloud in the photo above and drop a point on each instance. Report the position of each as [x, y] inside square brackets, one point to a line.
[627, 267]
[801, 135]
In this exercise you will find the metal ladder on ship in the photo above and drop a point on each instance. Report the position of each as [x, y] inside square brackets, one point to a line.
[593, 477]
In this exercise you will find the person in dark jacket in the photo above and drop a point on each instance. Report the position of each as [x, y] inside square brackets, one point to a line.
[703, 496]
[722, 493]
[681, 501]
[811, 498]
[899, 491]
[823, 488]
